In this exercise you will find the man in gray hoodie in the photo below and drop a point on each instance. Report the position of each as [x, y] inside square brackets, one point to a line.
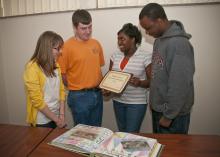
[173, 67]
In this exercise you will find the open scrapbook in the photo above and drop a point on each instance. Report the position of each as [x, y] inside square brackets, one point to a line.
[101, 142]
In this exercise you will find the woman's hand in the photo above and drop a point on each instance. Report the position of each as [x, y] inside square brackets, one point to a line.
[62, 118]
[135, 81]
[106, 92]
[61, 121]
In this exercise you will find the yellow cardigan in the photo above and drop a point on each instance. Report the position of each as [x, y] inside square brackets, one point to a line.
[34, 80]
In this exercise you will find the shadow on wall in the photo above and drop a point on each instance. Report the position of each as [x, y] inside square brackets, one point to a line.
[147, 38]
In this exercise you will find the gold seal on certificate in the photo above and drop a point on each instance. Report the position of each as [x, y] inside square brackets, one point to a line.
[115, 81]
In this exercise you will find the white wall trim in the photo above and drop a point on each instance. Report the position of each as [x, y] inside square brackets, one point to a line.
[27, 7]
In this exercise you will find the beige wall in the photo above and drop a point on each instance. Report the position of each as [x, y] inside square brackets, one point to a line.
[3, 102]
[18, 38]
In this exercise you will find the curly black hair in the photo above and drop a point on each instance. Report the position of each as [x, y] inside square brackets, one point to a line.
[132, 31]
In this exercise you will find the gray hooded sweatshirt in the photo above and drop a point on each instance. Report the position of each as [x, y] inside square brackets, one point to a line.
[173, 67]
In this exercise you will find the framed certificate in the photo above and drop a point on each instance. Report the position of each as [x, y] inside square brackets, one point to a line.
[115, 81]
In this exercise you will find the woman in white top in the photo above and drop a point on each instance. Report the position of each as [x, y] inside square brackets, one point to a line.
[130, 106]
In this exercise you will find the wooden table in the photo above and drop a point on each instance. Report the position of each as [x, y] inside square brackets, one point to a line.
[175, 146]
[20, 141]
[45, 150]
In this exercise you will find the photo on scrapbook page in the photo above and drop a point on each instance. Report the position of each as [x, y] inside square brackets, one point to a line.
[135, 145]
[87, 135]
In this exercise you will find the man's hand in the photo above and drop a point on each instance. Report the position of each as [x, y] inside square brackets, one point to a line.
[165, 122]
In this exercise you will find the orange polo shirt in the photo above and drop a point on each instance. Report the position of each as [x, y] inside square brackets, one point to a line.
[81, 62]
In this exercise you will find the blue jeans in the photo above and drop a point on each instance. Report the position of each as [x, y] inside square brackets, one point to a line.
[179, 125]
[129, 116]
[86, 107]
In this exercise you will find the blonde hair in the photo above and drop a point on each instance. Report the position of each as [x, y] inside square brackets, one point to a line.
[43, 52]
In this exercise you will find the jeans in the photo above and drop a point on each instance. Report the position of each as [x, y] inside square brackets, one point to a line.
[129, 116]
[86, 107]
[179, 125]
[51, 124]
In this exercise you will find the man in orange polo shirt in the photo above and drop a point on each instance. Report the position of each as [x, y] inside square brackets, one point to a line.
[80, 62]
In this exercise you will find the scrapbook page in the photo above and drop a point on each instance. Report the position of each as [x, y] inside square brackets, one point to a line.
[101, 142]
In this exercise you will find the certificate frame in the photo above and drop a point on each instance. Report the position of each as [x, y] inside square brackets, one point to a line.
[115, 81]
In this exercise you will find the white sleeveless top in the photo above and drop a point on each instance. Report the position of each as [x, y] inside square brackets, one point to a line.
[51, 97]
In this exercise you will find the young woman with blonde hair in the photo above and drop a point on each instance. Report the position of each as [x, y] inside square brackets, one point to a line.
[43, 84]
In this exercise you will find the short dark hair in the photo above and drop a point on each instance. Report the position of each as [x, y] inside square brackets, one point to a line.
[81, 16]
[153, 11]
[132, 31]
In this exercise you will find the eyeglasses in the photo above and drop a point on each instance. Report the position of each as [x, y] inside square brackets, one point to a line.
[57, 48]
